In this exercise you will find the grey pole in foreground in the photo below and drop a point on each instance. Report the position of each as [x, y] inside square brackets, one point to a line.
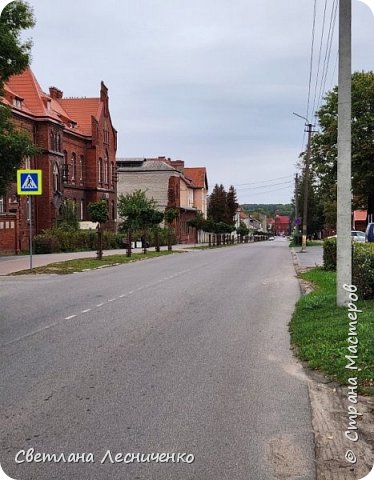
[344, 201]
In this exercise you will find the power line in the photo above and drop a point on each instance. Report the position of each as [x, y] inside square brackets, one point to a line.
[330, 37]
[269, 191]
[311, 57]
[261, 181]
[264, 186]
[319, 56]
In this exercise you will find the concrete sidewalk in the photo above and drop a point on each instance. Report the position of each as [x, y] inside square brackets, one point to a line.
[22, 262]
[312, 257]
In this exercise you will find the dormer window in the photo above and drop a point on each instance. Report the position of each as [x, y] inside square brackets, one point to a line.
[17, 102]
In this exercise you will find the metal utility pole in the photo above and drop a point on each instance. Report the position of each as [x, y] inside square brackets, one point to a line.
[344, 203]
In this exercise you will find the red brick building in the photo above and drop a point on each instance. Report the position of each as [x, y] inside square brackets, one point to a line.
[78, 148]
[280, 225]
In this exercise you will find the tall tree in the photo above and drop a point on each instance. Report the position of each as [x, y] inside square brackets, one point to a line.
[14, 59]
[217, 208]
[232, 205]
[15, 54]
[324, 144]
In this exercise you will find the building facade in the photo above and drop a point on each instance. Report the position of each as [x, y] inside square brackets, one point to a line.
[77, 144]
[171, 185]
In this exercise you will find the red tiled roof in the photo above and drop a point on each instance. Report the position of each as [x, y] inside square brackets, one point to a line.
[197, 175]
[69, 111]
[81, 110]
[26, 86]
[360, 215]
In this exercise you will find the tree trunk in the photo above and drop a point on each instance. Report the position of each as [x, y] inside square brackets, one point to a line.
[99, 243]
[129, 239]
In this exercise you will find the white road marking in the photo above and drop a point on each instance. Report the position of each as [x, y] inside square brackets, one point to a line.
[68, 318]
[87, 310]
[100, 305]
[112, 300]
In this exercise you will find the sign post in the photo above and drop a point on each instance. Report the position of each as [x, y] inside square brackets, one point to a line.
[29, 182]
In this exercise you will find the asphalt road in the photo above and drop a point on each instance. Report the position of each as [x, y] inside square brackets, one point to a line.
[186, 354]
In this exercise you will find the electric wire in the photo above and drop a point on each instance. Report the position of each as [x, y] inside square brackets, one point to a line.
[261, 181]
[319, 58]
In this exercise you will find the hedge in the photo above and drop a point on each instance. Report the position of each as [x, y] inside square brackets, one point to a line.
[362, 265]
[59, 240]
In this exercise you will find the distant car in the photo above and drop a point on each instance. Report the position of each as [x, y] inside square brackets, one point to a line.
[358, 236]
[271, 238]
[369, 234]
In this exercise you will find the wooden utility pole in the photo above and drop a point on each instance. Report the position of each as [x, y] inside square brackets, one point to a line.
[306, 187]
[344, 201]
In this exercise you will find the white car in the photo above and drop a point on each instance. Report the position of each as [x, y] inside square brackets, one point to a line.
[358, 236]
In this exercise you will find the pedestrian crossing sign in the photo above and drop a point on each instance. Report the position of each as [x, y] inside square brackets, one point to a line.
[29, 182]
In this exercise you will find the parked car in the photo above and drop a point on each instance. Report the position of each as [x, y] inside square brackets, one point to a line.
[369, 234]
[358, 236]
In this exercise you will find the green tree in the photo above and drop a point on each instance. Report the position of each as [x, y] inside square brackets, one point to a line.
[217, 208]
[14, 145]
[15, 54]
[98, 212]
[231, 205]
[14, 59]
[324, 143]
[134, 209]
[242, 230]
[170, 215]
[68, 219]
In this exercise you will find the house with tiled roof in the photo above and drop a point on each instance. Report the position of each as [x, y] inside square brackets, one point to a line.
[280, 224]
[78, 147]
[199, 178]
[360, 220]
[170, 184]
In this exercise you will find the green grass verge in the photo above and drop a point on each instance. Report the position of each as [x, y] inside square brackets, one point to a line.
[82, 264]
[319, 331]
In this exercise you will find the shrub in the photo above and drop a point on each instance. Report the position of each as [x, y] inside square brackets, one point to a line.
[60, 240]
[363, 269]
[46, 243]
[329, 254]
[362, 265]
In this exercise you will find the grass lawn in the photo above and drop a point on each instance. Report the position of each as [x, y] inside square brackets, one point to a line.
[319, 331]
[82, 264]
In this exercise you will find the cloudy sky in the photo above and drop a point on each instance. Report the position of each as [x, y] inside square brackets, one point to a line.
[211, 82]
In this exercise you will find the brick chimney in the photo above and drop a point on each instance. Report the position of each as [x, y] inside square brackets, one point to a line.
[55, 93]
[178, 165]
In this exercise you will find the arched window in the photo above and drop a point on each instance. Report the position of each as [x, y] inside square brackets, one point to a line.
[81, 162]
[100, 171]
[65, 171]
[82, 210]
[74, 163]
[106, 169]
[56, 178]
